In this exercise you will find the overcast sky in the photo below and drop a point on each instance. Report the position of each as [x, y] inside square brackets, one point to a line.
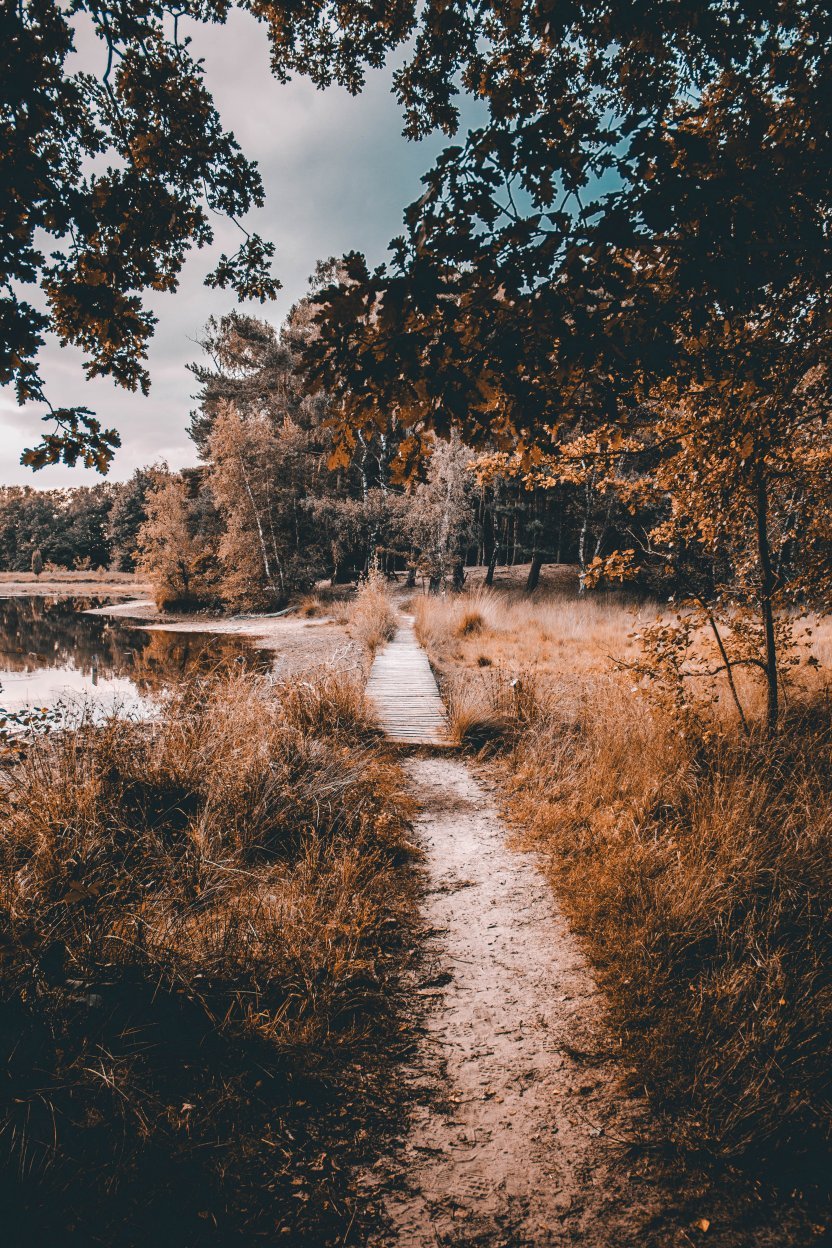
[337, 174]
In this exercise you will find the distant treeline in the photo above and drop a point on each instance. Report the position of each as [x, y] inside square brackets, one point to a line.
[279, 502]
[83, 527]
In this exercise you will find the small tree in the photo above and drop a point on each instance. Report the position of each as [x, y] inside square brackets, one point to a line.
[37, 563]
[441, 518]
[173, 553]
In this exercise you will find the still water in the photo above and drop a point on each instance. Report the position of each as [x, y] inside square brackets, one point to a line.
[51, 654]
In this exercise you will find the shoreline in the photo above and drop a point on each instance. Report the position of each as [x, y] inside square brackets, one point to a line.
[24, 585]
[294, 641]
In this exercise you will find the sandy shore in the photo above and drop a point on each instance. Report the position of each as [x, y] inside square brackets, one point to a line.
[295, 642]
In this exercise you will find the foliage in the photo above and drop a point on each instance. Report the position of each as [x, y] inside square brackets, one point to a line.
[175, 543]
[118, 173]
[19, 727]
[257, 480]
[439, 514]
[127, 515]
[68, 527]
[596, 281]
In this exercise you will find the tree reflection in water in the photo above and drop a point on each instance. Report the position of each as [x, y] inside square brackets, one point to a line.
[47, 645]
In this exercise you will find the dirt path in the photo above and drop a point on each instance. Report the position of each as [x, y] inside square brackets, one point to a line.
[521, 1130]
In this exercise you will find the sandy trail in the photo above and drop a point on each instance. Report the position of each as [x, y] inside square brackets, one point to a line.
[520, 1130]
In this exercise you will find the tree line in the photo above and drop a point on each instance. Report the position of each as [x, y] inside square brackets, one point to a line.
[279, 502]
[82, 527]
[275, 503]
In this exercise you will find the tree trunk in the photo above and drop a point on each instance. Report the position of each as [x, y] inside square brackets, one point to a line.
[589, 489]
[492, 564]
[767, 603]
[534, 572]
[255, 513]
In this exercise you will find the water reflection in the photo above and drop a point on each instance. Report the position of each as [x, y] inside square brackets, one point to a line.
[50, 653]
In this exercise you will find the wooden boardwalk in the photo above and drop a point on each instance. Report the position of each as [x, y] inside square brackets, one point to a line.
[403, 690]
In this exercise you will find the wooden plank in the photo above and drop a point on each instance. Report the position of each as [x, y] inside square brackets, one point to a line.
[403, 690]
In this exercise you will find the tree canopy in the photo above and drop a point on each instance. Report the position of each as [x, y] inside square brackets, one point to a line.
[609, 128]
[109, 178]
[628, 264]
[645, 172]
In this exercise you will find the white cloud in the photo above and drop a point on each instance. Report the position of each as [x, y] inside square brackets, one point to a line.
[337, 174]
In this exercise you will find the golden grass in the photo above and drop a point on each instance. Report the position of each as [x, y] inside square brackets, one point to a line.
[696, 864]
[371, 616]
[310, 606]
[51, 574]
[195, 914]
[554, 634]
[700, 872]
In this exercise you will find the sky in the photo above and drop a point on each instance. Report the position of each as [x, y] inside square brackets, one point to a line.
[337, 174]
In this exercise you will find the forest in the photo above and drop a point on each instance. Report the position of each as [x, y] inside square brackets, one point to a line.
[78, 527]
[267, 513]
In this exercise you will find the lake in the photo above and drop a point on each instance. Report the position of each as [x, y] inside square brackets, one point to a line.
[51, 653]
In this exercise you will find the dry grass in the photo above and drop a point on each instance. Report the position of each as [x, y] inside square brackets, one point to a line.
[311, 606]
[53, 573]
[498, 653]
[372, 614]
[701, 873]
[555, 634]
[696, 864]
[198, 917]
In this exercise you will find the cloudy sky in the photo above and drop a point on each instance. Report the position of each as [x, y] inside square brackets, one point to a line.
[337, 174]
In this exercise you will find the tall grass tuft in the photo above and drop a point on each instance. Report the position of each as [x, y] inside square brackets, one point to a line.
[372, 614]
[195, 913]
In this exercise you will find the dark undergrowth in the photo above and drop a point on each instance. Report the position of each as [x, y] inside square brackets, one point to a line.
[202, 922]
